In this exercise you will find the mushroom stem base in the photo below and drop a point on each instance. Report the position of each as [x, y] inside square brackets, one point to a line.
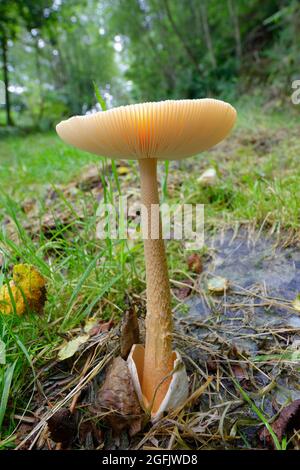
[177, 391]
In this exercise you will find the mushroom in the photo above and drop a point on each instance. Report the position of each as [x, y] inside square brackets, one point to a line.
[148, 132]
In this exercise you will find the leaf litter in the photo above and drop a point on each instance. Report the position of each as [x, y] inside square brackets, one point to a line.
[248, 334]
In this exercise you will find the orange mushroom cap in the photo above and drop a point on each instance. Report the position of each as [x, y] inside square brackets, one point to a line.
[166, 130]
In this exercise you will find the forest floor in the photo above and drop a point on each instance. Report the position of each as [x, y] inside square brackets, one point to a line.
[241, 348]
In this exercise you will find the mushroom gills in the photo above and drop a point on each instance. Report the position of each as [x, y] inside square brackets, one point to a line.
[178, 388]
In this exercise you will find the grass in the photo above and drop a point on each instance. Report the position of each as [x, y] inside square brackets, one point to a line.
[260, 415]
[84, 275]
[258, 174]
[258, 183]
[38, 159]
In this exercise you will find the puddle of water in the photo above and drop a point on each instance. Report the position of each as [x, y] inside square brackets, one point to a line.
[246, 263]
[249, 265]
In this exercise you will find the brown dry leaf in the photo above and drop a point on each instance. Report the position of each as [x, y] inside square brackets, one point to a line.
[26, 291]
[288, 420]
[62, 427]
[29, 206]
[239, 372]
[212, 364]
[184, 291]
[23, 430]
[195, 263]
[89, 178]
[117, 395]
[106, 326]
[101, 327]
[130, 332]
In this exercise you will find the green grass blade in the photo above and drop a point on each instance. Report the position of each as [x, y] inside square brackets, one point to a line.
[79, 285]
[260, 415]
[100, 100]
[165, 182]
[7, 379]
[102, 103]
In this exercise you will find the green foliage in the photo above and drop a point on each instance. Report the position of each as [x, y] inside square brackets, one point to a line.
[143, 50]
[188, 49]
[56, 53]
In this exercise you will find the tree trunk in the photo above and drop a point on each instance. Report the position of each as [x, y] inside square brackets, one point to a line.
[207, 35]
[9, 120]
[181, 36]
[236, 27]
[40, 81]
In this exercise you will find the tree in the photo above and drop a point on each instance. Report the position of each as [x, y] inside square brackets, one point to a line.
[236, 29]
[33, 17]
[8, 30]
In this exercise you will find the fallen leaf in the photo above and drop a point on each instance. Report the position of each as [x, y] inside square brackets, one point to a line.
[130, 332]
[288, 420]
[26, 291]
[212, 364]
[22, 432]
[92, 327]
[296, 303]
[62, 427]
[89, 178]
[90, 324]
[106, 326]
[239, 372]
[184, 291]
[71, 347]
[123, 170]
[101, 327]
[30, 206]
[195, 263]
[117, 395]
[217, 285]
[208, 178]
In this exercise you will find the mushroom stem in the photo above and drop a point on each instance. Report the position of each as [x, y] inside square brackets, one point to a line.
[158, 361]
